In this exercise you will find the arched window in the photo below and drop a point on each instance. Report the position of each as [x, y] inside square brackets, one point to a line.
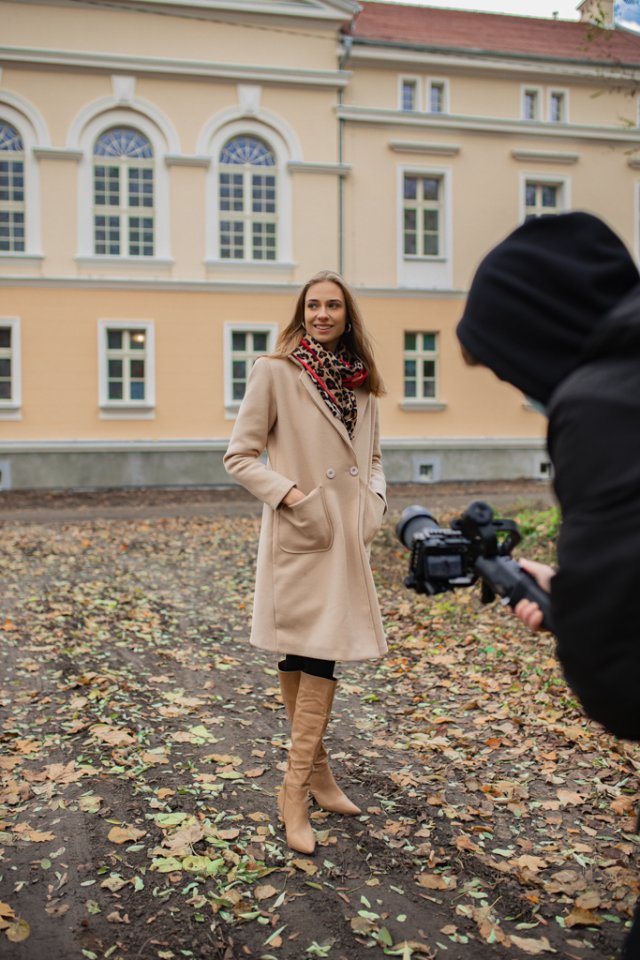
[12, 206]
[247, 200]
[123, 194]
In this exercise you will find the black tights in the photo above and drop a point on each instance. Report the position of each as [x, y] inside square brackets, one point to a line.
[311, 665]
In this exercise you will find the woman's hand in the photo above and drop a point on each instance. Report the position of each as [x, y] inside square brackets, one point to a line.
[528, 611]
[294, 496]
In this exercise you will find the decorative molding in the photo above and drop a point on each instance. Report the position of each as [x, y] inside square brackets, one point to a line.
[251, 266]
[57, 153]
[124, 88]
[249, 99]
[183, 160]
[634, 162]
[129, 263]
[398, 118]
[452, 60]
[167, 66]
[433, 444]
[305, 166]
[116, 446]
[430, 149]
[545, 156]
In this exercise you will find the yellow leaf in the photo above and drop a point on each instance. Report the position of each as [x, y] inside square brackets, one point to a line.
[18, 931]
[125, 835]
[307, 866]
[579, 917]
[437, 881]
[265, 891]
[532, 947]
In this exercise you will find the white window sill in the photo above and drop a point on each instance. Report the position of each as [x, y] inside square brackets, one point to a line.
[422, 406]
[127, 411]
[130, 263]
[267, 266]
[416, 259]
[231, 410]
[19, 257]
[10, 411]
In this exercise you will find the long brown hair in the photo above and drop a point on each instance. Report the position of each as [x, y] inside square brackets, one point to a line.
[355, 339]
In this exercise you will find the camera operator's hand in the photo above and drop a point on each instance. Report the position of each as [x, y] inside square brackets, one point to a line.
[528, 611]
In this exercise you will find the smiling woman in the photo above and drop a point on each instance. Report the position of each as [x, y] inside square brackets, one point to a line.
[312, 406]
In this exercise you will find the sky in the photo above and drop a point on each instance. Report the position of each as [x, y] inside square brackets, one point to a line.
[627, 11]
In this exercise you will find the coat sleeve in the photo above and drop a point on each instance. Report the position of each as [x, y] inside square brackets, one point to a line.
[378, 481]
[256, 418]
[595, 448]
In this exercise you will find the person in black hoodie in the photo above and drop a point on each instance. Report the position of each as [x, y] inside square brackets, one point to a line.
[555, 310]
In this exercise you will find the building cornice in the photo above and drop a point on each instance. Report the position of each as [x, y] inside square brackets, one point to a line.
[167, 66]
[431, 149]
[403, 56]
[448, 122]
[545, 156]
[322, 11]
[174, 285]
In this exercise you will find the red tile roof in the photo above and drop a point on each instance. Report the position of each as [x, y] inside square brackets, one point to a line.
[460, 30]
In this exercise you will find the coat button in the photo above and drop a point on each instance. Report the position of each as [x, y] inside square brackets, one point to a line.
[331, 473]
[353, 471]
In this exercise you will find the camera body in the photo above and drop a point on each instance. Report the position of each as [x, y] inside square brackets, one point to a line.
[476, 546]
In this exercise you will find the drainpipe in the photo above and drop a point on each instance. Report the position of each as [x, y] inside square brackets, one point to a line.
[347, 44]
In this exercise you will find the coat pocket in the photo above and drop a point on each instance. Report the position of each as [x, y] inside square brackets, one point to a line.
[306, 526]
[373, 513]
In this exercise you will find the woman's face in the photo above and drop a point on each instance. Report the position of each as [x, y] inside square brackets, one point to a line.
[325, 313]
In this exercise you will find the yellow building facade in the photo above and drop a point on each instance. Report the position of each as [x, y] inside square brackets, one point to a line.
[172, 171]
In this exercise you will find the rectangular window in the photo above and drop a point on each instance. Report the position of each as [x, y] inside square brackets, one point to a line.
[420, 366]
[557, 107]
[437, 96]
[12, 204]
[422, 216]
[126, 359]
[243, 345]
[409, 94]
[6, 363]
[531, 104]
[541, 198]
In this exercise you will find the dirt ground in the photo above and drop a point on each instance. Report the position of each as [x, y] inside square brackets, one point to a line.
[142, 743]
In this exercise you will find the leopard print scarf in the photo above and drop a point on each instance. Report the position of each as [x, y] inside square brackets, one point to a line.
[336, 375]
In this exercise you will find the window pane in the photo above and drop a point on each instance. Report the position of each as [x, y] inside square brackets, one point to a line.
[430, 187]
[410, 389]
[5, 367]
[5, 390]
[431, 245]
[431, 221]
[115, 390]
[410, 368]
[410, 188]
[428, 341]
[238, 341]
[238, 389]
[115, 369]
[136, 369]
[549, 196]
[410, 341]
[408, 95]
[5, 337]
[138, 340]
[114, 339]
[260, 342]
[530, 195]
[239, 369]
[137, 391]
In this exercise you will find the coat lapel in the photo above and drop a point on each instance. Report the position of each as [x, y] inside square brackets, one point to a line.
[313, 392]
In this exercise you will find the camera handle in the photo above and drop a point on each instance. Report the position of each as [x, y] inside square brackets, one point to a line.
[506, 578]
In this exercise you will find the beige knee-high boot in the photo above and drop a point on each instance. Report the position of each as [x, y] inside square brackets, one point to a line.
[322, 786]
[310, 718]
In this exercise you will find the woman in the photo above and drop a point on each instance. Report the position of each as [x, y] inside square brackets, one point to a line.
[312, 407]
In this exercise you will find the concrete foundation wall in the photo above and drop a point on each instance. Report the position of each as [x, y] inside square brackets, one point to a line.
[72, 466]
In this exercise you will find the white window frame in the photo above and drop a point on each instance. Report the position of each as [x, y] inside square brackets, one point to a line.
[564, 183]
[419, 401]
[415, 82]
[231, 406]
[430, 272]
[124, 212]
[11, 408]
[127, 409]
[524, 90]
[558, 91]
[91, 132]
[28, 131]
[439, 82]
[284, 212]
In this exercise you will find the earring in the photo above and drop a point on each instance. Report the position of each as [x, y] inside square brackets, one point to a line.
[348, 327]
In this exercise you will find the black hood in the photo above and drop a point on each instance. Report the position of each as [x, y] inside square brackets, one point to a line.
[538, 298]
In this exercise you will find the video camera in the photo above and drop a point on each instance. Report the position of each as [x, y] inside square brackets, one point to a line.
[476, 546]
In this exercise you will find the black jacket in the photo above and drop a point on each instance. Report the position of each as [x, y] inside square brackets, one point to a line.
[555, 310]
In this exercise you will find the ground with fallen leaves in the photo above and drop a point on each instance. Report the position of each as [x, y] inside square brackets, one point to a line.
[142, 742]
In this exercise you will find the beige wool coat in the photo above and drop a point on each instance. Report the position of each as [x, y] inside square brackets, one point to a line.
[315, 594]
